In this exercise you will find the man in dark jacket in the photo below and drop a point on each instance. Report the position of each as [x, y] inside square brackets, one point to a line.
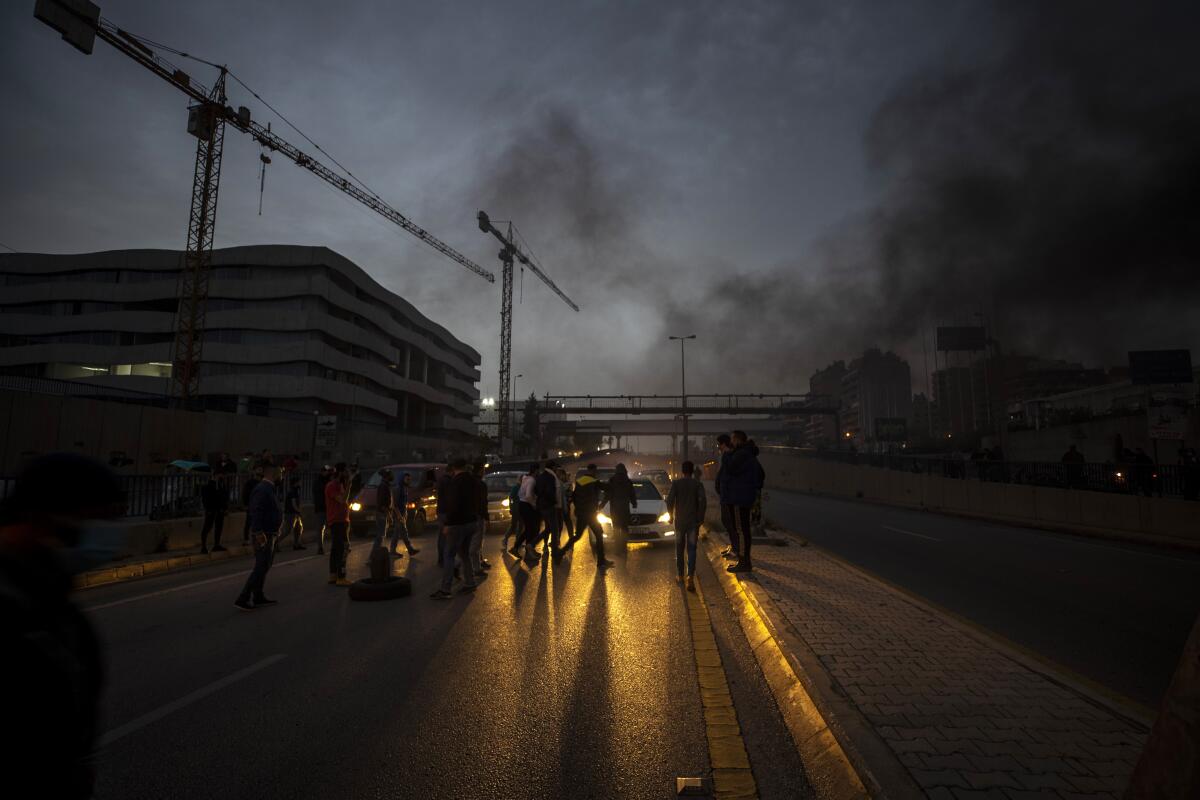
[621, 499]
[587, 497]
[545, 491]
[214, 495]
[725, 446]
[459, 511]
[265, 519]
[55, 523]
[687, 504]
[743, 482]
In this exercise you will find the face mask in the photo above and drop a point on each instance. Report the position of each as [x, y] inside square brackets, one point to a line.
[100, 541]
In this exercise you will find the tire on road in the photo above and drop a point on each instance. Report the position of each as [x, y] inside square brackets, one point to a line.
[392, 588]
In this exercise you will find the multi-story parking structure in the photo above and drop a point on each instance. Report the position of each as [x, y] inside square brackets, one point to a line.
[289, 331]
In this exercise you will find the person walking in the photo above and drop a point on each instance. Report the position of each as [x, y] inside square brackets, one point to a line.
[479, 564]
[265, 519]
[725, 447]
[337, 519]
[545, 491]
[293, 518]
[214, 496]
[621, 499]
[58, 520]
[744, 482]
[587, 496]
[687, 503]
[385, 510]
[319, 505]
[443, 496]
[460, 515]
[530, 521]
[248, 489]
[514, 515]
[564, 501]
[400, 517]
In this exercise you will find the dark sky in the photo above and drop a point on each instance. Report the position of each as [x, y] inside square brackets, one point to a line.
[791, 181]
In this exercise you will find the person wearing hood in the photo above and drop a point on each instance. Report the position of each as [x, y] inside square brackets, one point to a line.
[58, 521]
[725, 446]
[743, 481]
[621, 500]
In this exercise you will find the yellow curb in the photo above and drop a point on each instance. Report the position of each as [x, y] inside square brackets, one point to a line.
[734, 783]
[826, 764]
[728, 752]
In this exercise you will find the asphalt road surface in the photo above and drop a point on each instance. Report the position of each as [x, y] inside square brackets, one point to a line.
[554, 682]
[1117, 614]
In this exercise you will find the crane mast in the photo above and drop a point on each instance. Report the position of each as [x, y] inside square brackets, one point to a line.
[80, 24]
[509, 254]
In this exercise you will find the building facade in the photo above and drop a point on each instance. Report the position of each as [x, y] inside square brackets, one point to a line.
[875, 386]
[289, 331]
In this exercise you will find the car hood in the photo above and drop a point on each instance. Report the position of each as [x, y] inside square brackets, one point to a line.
[645, 507]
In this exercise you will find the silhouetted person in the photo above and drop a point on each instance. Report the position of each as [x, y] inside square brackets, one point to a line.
[1144, 470]
[214, 496]
[56, 523]
[545, 494]
[725, 446]
[622, 499]
[744, 483]
[1189, 464]
[587, 497]
[400, 522]
[265, 521]
[530, 519]
[479, 564]
[337, 518]
[248, 489]
[1073, 465]
[687, 503]
[460, 513]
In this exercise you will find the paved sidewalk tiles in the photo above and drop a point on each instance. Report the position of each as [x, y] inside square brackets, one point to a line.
[963, 717]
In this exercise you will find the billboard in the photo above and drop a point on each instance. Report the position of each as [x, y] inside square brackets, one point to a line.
[969, 338]
[1148, 367]
[891, 429]
[1168, 414]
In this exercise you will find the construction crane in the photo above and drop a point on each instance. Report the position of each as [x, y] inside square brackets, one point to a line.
[80, 24]
[509, 254]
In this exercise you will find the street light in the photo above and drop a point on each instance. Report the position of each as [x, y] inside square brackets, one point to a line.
[683, 389]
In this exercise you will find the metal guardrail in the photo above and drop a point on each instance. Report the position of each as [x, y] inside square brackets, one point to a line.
[667, 404]
[178, 495]
[1151, 480]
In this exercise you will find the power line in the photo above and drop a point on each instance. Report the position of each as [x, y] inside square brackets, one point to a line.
[6, 247]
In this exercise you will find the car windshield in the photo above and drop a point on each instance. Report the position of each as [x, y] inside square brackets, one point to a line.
[644, 490]
[502, 481]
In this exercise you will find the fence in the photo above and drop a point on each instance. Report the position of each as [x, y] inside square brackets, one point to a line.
[178, 495]
[1161, 480]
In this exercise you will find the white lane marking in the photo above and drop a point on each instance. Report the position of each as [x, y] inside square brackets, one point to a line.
[910, 533]
[162, 711]
[148, 595]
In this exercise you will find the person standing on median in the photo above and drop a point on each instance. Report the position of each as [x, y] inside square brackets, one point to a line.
[337, 518]
[214, 496]
[460, 510]
[265, 519]
[725, 446]
[743, 483]
[687, 504]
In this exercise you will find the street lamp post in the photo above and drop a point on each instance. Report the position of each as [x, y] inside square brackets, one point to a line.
[683, 390]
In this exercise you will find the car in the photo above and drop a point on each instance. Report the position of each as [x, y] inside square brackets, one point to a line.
[422, 497]
[659, 477]
[649, 522]
[499, 486]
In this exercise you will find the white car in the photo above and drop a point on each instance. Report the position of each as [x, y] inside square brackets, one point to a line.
[649, 522]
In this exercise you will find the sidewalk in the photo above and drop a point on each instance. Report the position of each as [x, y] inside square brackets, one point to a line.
[960, 714]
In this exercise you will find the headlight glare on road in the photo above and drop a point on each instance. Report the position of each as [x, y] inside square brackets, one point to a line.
[665, 516]
[356, 506]
[504, 502]
[603, 519]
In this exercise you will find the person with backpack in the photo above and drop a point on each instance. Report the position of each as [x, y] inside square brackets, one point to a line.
[744, 482]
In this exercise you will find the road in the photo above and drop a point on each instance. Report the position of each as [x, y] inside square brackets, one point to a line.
[556, 682]
[1117, 614]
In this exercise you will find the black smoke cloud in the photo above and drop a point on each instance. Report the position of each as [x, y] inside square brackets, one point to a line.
[1048, 182]
[1051, 186]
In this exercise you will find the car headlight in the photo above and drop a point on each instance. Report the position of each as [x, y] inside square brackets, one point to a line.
[504, 502]
[603, 519]
[665, 517]
[356, 506]
[669, 533]
[412, 505]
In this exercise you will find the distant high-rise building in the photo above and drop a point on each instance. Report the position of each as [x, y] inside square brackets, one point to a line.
[876, 386]
[825, 386]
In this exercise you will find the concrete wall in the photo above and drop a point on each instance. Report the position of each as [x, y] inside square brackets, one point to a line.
[1153, 519]
[1093, 438]
[34, 424]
